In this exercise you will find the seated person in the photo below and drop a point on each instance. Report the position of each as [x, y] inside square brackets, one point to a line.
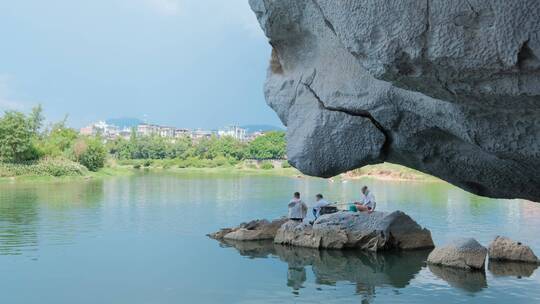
[319, 203]
[367, 203]
[297, 208]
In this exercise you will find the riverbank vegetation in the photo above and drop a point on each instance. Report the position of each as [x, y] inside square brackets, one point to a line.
[28, 148]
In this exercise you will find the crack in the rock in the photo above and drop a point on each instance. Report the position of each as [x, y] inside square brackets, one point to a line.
[326, 21]
[385, 149]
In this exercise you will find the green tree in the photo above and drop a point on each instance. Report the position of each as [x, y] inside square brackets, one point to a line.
[270, 145]
[179, 148]
[58, 141]
[16, 134]
[91, 153]
[36, 119]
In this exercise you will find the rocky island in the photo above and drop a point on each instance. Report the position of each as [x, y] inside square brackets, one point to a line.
[377, 231]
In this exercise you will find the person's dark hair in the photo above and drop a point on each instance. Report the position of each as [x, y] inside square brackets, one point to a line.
[319, 196]
[297, 194]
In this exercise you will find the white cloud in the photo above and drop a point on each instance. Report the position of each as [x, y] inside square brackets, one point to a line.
[7, 103]
[165, 7]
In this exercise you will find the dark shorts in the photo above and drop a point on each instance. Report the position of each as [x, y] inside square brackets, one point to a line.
[296, 219]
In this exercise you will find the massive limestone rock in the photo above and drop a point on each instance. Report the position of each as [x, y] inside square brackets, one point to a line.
[451, 88]
[373, 232]
[505, 249]
[464, 253]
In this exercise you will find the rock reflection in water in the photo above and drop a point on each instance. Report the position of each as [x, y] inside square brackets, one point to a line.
[366, 270]
[513, 269]
[471, 281]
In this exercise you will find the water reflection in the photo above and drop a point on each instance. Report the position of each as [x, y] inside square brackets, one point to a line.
[366, 270]
[471, 281]
[18, 215]
[25, 209]
[513, 269]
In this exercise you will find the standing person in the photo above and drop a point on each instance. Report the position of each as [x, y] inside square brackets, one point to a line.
[367, 203]
[297, 208]
[319, 203]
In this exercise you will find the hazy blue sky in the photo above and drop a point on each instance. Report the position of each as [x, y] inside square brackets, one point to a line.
[191, 63]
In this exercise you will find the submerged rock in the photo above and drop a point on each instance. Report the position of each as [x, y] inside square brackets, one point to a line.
[251, 231]
[373, 232]
[464, 253]
[450, 88]
[505, 249]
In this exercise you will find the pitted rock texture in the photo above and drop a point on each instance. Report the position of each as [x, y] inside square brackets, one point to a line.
[465, 253]
[451, 88]
[376, 231]
[255, 230]
[505, 249]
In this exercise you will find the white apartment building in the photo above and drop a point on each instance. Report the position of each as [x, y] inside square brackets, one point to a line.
[101, 128]
[178, 133]
[235, 132]
[147, 129]
[201, 134]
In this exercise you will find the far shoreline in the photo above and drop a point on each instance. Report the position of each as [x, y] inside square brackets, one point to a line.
[382, 172]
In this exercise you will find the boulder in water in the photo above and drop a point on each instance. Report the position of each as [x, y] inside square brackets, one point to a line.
[368, 231]
[250, 231]
[505, 249]
[464, 253]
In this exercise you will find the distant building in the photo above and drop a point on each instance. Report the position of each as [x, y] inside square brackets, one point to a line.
[109, 131]
[201, 134]
[87, 130]
[179, 133]
[125, 133]
[235, 132]
[147, 130]
[100, 128]
[167, 132]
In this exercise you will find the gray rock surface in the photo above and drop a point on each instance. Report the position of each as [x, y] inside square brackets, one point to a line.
[464, 253]
[373, 232]
[252, 231]
[451, 88]
[505, 249]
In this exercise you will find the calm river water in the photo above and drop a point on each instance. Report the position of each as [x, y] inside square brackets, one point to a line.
[141, 239]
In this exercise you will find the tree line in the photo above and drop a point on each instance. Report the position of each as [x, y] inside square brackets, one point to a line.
[24, 139]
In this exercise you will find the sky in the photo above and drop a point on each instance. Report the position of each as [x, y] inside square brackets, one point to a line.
[185, 63]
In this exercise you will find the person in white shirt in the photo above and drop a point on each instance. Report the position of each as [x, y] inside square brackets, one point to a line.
[297, 208]
[367, 203]
[319, 203]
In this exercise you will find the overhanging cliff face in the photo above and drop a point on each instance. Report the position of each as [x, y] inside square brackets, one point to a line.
[451, 88]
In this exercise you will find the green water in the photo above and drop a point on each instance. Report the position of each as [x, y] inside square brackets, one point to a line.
[141, 239]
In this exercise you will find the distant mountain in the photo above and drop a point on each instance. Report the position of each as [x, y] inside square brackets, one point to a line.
[261, 128]
[124, 122]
